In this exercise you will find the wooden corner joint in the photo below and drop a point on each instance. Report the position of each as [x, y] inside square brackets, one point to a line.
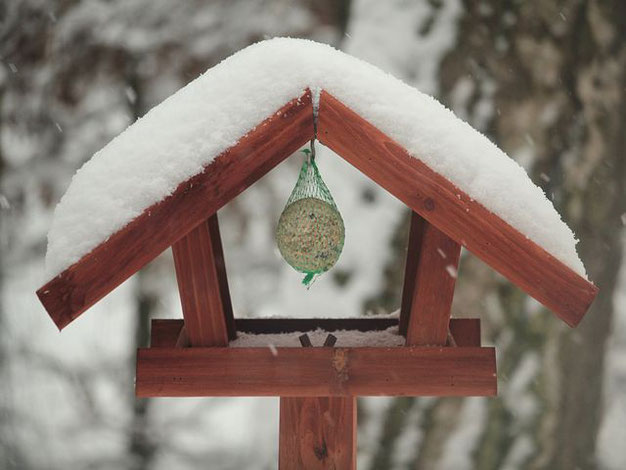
[451, 342]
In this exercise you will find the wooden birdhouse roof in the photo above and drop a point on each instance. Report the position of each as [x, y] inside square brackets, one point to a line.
[200, 148]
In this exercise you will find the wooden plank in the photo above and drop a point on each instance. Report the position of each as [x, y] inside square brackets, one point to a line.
[183, 339]
[453, 212]
[200, 289]
[317, 372]
[466, 331]
[433, 258]
[165, 333]
[416, 231]
[222, 279]
[84, 283]
[305, 341]
[317, 433]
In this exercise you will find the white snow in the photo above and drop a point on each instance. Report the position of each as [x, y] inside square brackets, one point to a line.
[345, 339]
[183, 134]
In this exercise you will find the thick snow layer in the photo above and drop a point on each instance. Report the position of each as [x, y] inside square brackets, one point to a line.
[177, 138]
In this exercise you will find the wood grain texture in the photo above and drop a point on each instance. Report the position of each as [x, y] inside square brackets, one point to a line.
[222, 278]
[317, 372]
[164, 332]
[453, 212]
[204, 309]
[432, 264]
[317, 433]
[416, 231]
[84, 283]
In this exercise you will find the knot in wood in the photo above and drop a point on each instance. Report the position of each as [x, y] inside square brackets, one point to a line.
[321, 452]
[340, 364]
[429, 204]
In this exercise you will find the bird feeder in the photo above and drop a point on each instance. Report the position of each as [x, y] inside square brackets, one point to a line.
[317, 383]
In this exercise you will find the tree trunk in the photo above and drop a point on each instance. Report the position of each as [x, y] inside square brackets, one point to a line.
[141, 447]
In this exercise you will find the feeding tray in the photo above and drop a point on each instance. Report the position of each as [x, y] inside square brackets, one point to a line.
[168, 368]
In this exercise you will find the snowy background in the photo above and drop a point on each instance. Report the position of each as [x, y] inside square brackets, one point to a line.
[545, 81]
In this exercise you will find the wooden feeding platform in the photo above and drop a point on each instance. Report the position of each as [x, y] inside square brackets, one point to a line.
[170, 368]
[318, 383]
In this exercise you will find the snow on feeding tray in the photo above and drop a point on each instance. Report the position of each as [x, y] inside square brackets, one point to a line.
[387, 338]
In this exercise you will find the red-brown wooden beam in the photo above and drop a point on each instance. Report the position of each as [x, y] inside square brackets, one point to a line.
[431, 270]
[222, 279]
[204, 296]
[316, 372]
[453, 212]
[317, 433]
[465, 331]
[166, 332]
[96, 274]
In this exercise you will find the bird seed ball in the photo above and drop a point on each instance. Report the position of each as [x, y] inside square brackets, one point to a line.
[310, 235]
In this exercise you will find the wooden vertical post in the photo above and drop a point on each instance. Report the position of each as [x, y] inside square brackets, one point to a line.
[222, 280]
[203, 286]
[317, 433]
[430, 276]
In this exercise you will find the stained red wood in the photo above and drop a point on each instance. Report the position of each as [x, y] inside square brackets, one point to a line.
[317, 433]
[200, 288]
[222, 279]
[183, 338]
[432, 264]
[84, 283]
[466, 331]
[453, 212]
[317, 371]
[450, 341]
[165, 333]
[416, 230]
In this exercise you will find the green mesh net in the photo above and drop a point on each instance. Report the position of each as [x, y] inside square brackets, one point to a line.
[310, 231]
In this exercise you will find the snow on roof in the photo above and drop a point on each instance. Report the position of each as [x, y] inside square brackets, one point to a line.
[183, 134]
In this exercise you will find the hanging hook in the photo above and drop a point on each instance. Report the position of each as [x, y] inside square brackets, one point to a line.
[315, 116]
[312, 155]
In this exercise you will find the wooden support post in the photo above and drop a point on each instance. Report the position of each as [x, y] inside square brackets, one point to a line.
[222, 280]
[431, 271]
[317, 433]
[203, 287]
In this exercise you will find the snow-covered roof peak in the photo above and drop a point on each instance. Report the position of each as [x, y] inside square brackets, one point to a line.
[183, 134]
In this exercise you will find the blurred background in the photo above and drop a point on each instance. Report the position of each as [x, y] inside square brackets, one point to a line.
[546, 81]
